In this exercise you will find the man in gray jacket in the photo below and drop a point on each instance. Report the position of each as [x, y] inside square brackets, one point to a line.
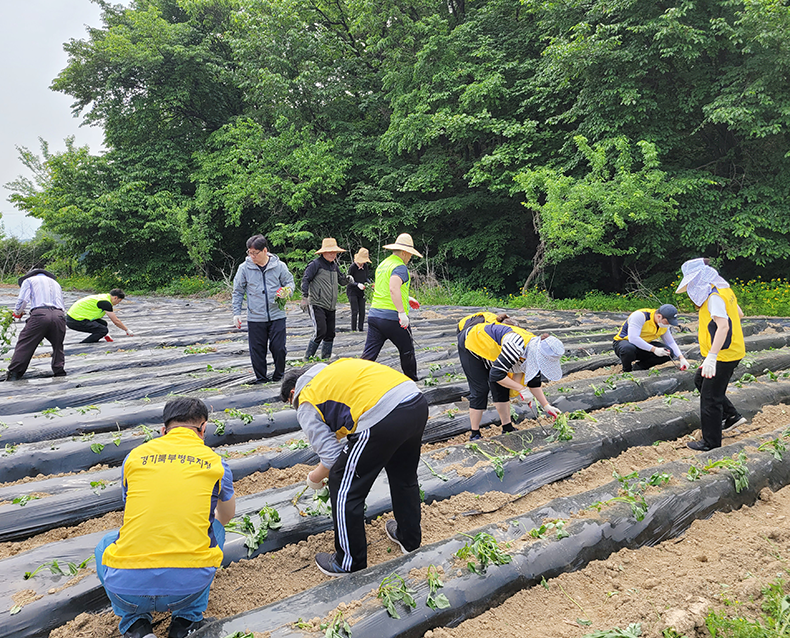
[267, 284]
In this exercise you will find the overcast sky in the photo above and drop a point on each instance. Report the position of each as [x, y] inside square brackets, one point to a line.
[32, 33]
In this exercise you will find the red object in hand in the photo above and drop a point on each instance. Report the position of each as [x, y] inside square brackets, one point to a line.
[414, 304]
[16, 316]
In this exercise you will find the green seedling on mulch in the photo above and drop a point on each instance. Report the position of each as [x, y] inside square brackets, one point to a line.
[98, 486]
[220, 429]
[233, 413]
[87, 408]
[736, 464]
[776, 447]
[338, 627]
[51, 413]
[301, 624]
[657, 480]
[693, 474]
[298, 444]
[562, 431]
[148, 433]
[580, 415]
[242, 634]
[745, 378]
[599, 392]
[269, 410]
[628, 376]
[392, 589]
[677, 397]
[96, 448]
[211, 368]
[545, 528]
[116, 437]
[322, 504]
[422, 494]
[775, 621]
[9, 449]
[771, 375]
[634, 630]
[435, 367]
[55, 568]
[748, 361]
[453, 376]
[270, 519]
[441, 477]
[497, 462]
[22, 500]
[199, 349]
[484, 549]
[611, 381]
[430, 382]
[516, 454]
[435, 600]
[453, 411]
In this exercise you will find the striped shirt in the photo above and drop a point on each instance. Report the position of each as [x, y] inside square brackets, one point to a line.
[513, 348]
[38, 291]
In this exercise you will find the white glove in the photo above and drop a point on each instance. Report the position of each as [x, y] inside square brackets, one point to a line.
[361, 286]
[403, 319]
[660, 352]
[709, 366]
[551, 411]
[684, 365]
[237, 321]
[129, 333]
[313, 485]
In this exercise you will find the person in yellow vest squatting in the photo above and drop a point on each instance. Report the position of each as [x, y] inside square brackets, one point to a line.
[381, 414]
[721, 343]
[178, 495]
[637, 345]
[484, 317]
[388, 318]
[490, 353]
[85, 315]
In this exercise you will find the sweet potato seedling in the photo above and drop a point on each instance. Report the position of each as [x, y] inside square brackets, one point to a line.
[775, 446]
[693, 474]
[241, 634]
[298, 444]
[441, 477]
[22, 500]
[238, 414]
[562, 431]
[483, 549]
[55, 568]
[736, 464]
[338, 627]
[253, 537]
[96, 448]
[545, 528]
[322, 504]
[497, 462]
[392, 589]
[220, 429]
[674, 397]
[435, 600]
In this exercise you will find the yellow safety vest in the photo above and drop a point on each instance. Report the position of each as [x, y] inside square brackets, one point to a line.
[485, 339]
[381, 295]
[346, 389]
[170, 482]
[488, 317]
[650, 331]
[86, 308]
[734, 348]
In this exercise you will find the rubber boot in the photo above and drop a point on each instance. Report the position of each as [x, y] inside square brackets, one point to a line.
[326, 349]
[311, 349]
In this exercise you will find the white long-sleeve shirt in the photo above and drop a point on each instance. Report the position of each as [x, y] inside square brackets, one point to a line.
[636, 322]
[38, 291]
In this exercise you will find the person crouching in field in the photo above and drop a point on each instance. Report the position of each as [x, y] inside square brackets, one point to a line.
[637, 345]
[85, 315]
[178, 495]
[381, 414]
[720, 342]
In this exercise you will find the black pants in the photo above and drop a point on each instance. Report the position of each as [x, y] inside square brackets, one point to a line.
[477, 376]
[644, 359]
[381, 330]
[392, 444]
[357, 303]
[43, 323]
[323, 323]
[714, 406]
[263, 336]
[96, 327]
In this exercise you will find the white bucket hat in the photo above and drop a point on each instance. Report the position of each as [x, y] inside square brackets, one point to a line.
[698, 279]
[543, 355]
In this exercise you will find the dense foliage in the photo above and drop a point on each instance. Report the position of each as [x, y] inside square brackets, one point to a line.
[571, 144]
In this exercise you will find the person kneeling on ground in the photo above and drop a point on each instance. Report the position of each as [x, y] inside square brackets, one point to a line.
[636, 343]
[382, 414]
[178, 495]
[85, 315]
[490, 353]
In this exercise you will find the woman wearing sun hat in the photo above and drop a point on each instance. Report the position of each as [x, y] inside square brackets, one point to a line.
[720, 342]
[319, 296]
[489, 351]
[389, 312]
[358, 279]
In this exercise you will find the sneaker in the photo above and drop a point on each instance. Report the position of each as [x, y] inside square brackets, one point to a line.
[698, 446]
[59, 373]
[13, 376]
[141, 628]
[108, 338]
[391, 527]
[730, 423]
[181, 627]
[507, 428]
[326, 563]
[474, 435]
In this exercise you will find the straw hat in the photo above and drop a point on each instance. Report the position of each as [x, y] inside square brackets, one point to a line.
[362, 256]
[404, 242]
[329, 245]
[543, 355]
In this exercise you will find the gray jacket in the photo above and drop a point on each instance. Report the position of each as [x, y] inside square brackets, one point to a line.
[260, 289]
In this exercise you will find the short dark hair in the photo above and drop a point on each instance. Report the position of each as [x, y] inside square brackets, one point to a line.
[186, 410]
[257, 242]
[117, 292]
[289, 381]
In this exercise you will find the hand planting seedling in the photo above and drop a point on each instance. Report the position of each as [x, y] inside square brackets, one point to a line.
[545, 528]
[485, 550]
[392, 589]
[736, 464]
[238, 414]
[55, 568]
[777, 446]
[435, 600]
[22, 500]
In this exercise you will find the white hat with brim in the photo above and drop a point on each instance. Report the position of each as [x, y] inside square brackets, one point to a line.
[329, 245]
[405, 243]
[690, 270]
[543, 355]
